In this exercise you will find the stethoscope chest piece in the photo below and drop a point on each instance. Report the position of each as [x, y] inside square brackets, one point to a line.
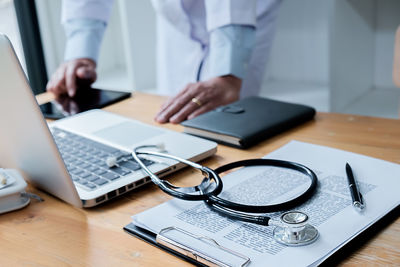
[294, 230]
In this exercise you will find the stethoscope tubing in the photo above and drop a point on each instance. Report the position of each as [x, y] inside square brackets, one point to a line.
[302, 235]
[168, 187]
[228, 208]
[214, 199]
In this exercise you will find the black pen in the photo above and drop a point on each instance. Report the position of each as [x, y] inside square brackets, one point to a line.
[356, 196]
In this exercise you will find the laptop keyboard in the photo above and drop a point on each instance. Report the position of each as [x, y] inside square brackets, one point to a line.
[86, 160]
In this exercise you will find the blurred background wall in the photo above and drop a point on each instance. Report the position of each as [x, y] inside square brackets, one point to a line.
[335, 55]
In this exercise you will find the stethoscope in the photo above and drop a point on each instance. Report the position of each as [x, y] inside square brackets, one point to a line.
[292, 229]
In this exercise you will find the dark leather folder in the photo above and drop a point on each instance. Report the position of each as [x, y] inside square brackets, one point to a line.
[248, 121]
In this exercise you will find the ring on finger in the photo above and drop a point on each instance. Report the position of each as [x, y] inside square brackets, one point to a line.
[197, 101]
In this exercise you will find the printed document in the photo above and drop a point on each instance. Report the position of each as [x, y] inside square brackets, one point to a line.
[330, 209]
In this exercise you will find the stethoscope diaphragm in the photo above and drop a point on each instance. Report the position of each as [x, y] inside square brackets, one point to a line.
[294, 230]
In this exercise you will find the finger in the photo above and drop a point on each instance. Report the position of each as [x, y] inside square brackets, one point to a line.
[74, 109]
[173, 99]
[164, 116]
[51, 83]
[57, 82]
[59, 85]
[60, 89]
[203, 109]
[172, 109]
[49, 86]
[167, 103]
[65, 103]
[86, 72]
[174, 106]
[70, 79]
[183, 113]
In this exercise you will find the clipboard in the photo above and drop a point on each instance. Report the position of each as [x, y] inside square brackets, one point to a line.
[190, 247]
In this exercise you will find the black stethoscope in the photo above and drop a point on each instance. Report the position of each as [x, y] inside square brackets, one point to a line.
[292, 229]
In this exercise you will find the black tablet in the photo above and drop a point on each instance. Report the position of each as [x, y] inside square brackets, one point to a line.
[85, 99]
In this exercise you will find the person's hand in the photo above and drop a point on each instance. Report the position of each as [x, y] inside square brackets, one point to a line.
[200, 97]
[70, 75]
[66, 105]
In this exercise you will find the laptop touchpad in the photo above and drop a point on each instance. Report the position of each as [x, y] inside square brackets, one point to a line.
[127, 134]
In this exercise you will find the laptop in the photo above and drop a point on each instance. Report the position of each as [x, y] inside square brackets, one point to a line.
[68, 157]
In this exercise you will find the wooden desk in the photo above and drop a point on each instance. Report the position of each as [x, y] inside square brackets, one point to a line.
[53, 233]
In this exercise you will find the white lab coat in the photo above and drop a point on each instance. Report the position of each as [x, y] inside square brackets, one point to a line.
[183, 35]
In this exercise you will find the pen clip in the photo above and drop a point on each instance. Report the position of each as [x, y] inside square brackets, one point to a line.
[359, 204]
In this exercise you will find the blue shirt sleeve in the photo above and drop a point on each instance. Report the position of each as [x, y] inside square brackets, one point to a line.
[84, 38]
[231, 47]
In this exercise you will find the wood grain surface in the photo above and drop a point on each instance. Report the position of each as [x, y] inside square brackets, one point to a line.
[53, 233]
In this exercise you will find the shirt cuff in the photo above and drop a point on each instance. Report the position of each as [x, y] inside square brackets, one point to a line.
[230, 50]
[84, 38]
[90, 9]
[221, 13]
